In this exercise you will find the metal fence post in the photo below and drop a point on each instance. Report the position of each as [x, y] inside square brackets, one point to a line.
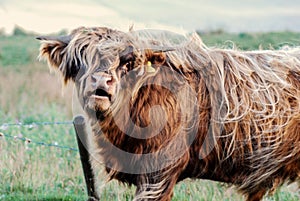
[81, 136]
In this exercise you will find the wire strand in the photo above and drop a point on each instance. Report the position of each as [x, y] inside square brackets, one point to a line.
[29, 141]
[5, 126]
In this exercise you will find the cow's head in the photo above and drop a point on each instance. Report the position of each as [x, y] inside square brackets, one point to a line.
[98, 59]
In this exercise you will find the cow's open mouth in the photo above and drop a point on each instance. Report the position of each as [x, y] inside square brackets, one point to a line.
[99, 100]
[100, 93]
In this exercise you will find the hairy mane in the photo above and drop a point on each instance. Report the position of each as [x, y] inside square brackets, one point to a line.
[253, 99]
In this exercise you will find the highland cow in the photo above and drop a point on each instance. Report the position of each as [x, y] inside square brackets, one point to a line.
[164, 108]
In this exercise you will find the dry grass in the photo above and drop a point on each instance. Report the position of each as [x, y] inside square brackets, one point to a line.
[32, 90]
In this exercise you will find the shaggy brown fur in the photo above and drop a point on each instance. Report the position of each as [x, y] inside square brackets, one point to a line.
[172, 109]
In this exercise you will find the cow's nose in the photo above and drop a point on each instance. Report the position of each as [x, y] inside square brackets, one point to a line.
[102, 80]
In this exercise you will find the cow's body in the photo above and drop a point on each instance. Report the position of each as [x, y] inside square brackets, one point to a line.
[163, 114]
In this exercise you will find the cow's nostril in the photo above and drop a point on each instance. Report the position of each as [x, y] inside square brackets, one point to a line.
[109, 82]
[102, 80]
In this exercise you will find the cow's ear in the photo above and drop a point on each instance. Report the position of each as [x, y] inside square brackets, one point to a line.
[156, 58]
[157, 55]
[53, 49]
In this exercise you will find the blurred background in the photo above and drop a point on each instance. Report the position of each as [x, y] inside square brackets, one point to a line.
[231, 15]
[38, 152]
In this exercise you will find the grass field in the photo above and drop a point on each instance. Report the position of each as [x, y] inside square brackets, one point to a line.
[29, 93]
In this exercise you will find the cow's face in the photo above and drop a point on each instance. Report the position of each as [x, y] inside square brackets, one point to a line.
[101, 62]
[100, 81]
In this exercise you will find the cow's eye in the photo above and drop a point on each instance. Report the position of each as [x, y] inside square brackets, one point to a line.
[128, 65]
[125, 68]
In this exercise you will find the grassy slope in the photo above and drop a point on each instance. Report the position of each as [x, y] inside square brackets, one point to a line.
[28, 93]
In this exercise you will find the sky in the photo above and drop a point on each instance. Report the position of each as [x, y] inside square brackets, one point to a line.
[51, 16]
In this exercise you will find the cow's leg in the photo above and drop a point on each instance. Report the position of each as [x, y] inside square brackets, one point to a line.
[81, 136]
[155, 187]
[256, 196]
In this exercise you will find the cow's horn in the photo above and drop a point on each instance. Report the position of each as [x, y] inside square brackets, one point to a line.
[64, 39]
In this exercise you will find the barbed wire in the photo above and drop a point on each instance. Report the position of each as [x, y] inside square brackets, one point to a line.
[5, 126]
[29, 141]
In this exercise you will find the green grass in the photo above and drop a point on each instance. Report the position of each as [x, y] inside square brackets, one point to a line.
[28, 93]
[251, 41]
[54, 196]
[17, 51]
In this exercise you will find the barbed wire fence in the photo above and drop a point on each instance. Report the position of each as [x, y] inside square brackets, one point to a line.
[5, 126]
